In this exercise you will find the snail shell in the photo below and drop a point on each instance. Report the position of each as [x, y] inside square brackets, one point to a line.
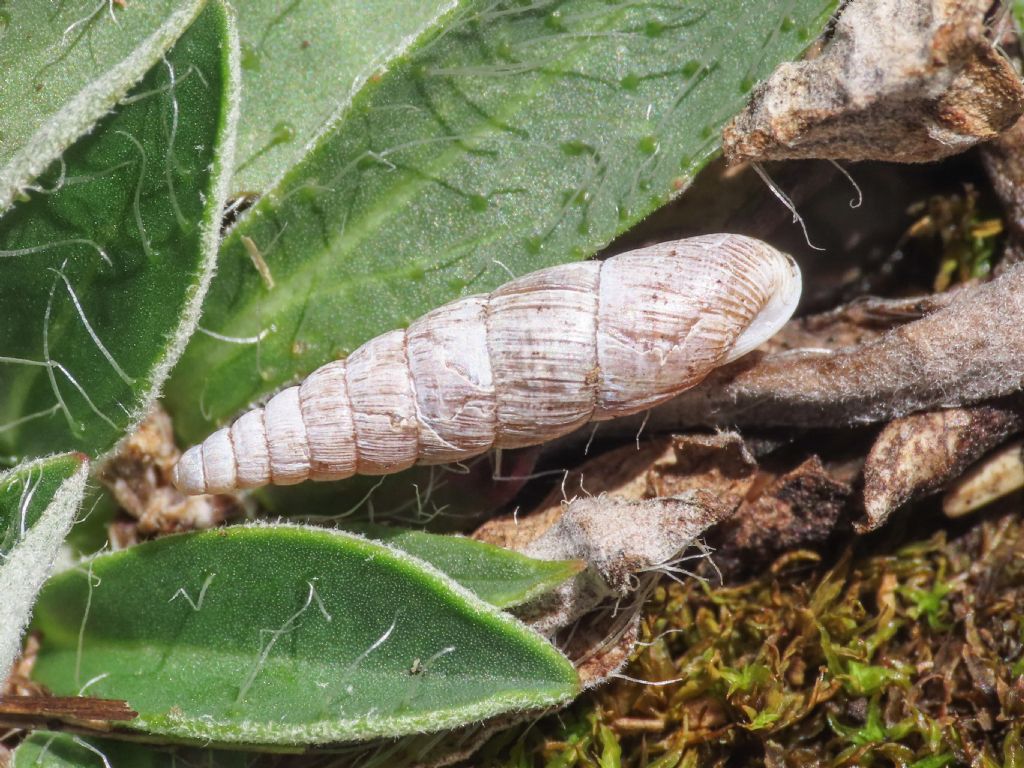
[533, 360]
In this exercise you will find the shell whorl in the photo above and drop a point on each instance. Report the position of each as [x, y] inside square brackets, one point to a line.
[531, 361]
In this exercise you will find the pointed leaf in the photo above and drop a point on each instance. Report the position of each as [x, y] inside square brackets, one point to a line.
[285, 635]
[500, 576]
[45, 749]
[65, 66]
[38, 504]
[103, 270]
[509, 138]
[300, 62]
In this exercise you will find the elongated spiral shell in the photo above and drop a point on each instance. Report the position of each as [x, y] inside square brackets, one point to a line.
[533, 360]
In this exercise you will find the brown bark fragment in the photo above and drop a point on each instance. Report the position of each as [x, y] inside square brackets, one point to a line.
[24, 704]
[903, 80]
[38, 708]
[919, 454]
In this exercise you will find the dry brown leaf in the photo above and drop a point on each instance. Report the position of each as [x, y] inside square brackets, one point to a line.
[771, 510]
[997, 475]
[626, 543]
[19, 682]
[796, 509]
[599, 648]
[620, 472]
[903, 80]
[919, 454]
[662, 466]
[623, 544]
[721, 464]
[619, 538]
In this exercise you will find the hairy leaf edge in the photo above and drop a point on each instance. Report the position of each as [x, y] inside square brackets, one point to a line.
[224, 160]
[90, 104]
[379, 64]
[21, 578]
[338, 731]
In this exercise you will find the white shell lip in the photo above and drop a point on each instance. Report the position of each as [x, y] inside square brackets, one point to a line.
[776, 313]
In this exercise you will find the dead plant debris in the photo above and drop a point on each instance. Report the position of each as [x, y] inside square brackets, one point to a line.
[904, 80]
[762, 509]
[910, 658]
[997, 475]
[139, 477]
[919, 454]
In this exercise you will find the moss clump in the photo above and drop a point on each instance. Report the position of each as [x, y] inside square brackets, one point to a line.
[955, 226]
[913, 659]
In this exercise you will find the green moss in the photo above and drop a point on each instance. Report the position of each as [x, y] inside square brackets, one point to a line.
[961, 230]
[914, 658]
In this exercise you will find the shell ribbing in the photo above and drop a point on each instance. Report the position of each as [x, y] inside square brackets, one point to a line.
[533, 360]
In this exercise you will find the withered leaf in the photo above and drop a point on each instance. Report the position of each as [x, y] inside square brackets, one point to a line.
[621, 472]
[799, 508]
[903, 80]
[624, 543]
[995, 476]
[919, 454]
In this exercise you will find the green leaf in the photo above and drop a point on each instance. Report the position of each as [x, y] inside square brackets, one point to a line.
[44, 749]
[508, 138]
[500, 576]
[611, 750]
[438, 498]
[867, 679]
[300, 62]
[104, 268]
[284, 635]
[38, 504]
[65, 66]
